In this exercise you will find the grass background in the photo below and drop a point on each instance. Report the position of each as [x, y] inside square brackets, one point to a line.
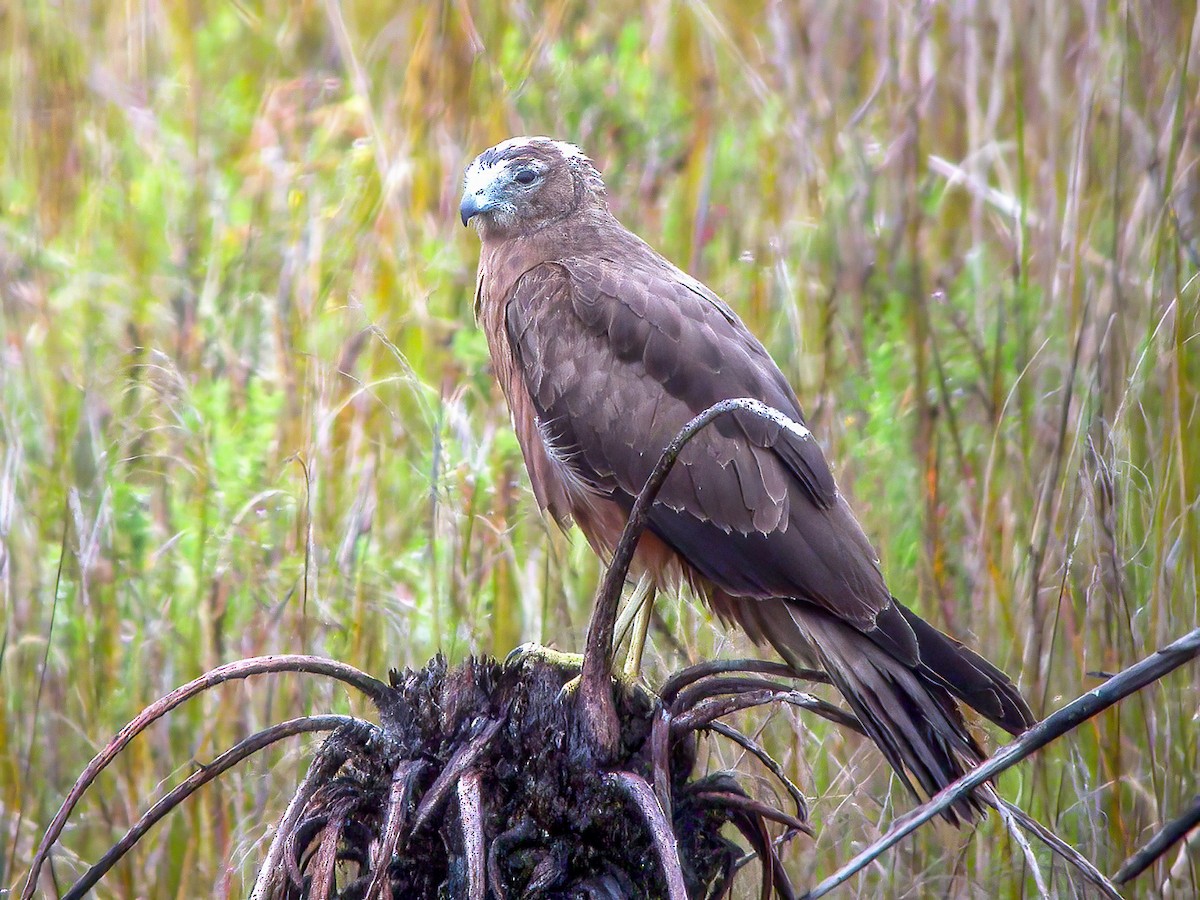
[244, 408]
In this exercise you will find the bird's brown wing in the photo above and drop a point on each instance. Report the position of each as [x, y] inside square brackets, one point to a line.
[617, 357]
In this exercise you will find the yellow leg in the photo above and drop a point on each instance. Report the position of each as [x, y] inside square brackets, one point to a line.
[634, 617]
[632, 607]
[637, 643]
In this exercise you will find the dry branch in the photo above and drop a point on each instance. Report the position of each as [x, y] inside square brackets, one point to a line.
[535, 814]
[1162, 841]
[542, 785]
[244, 668]
[681, 679]
[1053, 726]
[242, 750]
[643, 798]
[758, 752]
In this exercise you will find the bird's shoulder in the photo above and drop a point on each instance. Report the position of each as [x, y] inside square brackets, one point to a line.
[620, 332]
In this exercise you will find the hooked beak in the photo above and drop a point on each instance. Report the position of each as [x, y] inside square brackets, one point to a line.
[472, 205]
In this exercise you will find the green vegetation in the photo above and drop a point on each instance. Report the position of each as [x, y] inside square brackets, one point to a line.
[244, 408]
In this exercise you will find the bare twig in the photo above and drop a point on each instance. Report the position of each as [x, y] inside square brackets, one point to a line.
[321, 886]
[403, 779]
[1022, 842]
[376, 690]
[755, 749]
[598, 710]
[1159, 844]
[660, 759]
[223, 763]
[470, 816]
[716, 707]
[325, 763]
[1054, 726]
[24, 783]
[753, 827]
[754, 807]
[642, 795]
[692, 674]
[462, 760]
[715, 686]
[1085, 866]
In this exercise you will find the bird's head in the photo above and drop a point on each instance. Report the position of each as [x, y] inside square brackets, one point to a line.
[527, 183]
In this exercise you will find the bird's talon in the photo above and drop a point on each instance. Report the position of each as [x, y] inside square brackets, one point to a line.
[517, 654]
[531, 650]
[569, 689]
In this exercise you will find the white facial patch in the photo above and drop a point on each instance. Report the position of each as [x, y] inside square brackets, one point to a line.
[480, 176]
[482, 172]
[491, 184]
[566, 149]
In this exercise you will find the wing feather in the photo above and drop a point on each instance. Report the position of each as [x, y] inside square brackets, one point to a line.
[617, 358]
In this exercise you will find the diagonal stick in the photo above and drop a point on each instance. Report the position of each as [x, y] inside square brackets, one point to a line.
[1053, 726]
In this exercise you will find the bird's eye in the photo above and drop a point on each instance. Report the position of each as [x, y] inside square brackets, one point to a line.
[525, 176]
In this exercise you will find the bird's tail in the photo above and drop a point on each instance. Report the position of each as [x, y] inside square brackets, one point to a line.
[900, 680]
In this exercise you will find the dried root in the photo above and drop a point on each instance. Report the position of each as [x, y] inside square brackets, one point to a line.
[482, 783]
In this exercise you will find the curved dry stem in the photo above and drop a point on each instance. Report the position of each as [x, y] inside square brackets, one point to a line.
[754, 807]
[738, 697]
[638, 790]
[660, 759]
[1018, 837]
[219, 766]
[376, 690]
[754, 830]
[323, 766]
[598, 708]
[322, 884]
[1052, 727]
[681, 679]
[753, 827]
[403, 779]
[462, 760]
[470, 814]
[716, 686]
[756, 750]
[1085, 866]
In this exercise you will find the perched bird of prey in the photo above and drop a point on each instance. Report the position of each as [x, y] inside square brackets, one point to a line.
[604, 350]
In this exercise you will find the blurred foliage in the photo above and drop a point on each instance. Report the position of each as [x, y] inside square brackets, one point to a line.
[244, 408]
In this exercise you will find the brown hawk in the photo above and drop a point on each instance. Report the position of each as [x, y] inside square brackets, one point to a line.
[604, 350]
